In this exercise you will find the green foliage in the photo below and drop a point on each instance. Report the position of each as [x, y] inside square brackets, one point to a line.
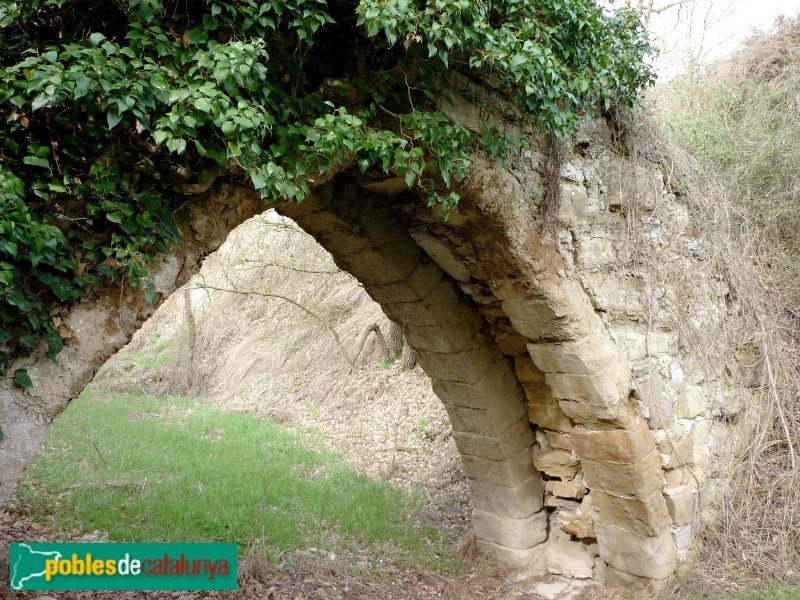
[113, 110]
[745, 128]
[22, 379]
[765, 593]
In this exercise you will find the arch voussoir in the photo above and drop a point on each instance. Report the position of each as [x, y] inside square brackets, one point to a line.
[471, 376]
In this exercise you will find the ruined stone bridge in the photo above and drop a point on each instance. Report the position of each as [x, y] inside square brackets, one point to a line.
[585, 415]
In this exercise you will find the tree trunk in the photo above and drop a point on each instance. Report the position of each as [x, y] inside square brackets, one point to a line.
[381, 342]
[396, 341]
[409, 359]
[191, 373]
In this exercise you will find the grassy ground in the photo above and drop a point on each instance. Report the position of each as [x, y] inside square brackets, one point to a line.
[775, 593]
[770, 593]
[172, 469]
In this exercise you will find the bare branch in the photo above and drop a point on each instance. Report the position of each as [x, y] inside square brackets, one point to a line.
[293, 267]
[305, 309]
[374, 328]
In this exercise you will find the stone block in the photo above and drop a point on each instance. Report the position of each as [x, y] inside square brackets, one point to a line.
[622, 416]
[652, 557]
[677, 447]
[577, 523]
[615, 578]
[527, 371]
[467, 366]
[510, 343]
[589, 355]
[675, 479]
[505, 443]
[509, 472]
[519, 534]
[596, 250]
[662, 343]
[571, 488]
[496, 384]
[537, 319]
[604, 390]
[645, 516]
[555, 440]
[570, 559]
[561, 503]
[442, 254]
[517, 502]
[538, 393]
[550, 416]
[638, 479]
[684, 540]
[490, 421]
[652, 393]
[614, 445]
[444, 340]
[533, 560]
[379, 266]
[681, 507]
[444, 306]
[556, 463]
[574, 206]
[414, 288]
[693, 403]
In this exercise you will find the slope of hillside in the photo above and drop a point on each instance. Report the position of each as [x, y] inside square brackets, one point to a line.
[731, 135]
[275, 326]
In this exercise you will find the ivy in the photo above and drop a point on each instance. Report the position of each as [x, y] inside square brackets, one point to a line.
[112, 111]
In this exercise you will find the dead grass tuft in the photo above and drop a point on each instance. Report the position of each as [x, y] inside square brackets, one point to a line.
[751, 531]
[468, 547]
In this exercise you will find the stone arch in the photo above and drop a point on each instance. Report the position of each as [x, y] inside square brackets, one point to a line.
[537, 340]
[511, 345]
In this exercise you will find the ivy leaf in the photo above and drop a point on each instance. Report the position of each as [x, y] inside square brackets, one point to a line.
[35, 161]
[114, 117]
[177, 145]
[16, 298]
[54, 344]
[258, 181]
[22, 379]
[202, 104]
[40, 101]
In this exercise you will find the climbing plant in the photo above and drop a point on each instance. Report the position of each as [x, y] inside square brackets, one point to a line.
[115, 110]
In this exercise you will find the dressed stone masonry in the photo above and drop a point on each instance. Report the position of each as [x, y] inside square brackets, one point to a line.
[564, 354]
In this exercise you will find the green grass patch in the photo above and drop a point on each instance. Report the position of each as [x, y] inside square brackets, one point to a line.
[172, 469]
[767, 593]
[772, 593]
[155, 355]
[742, 125]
